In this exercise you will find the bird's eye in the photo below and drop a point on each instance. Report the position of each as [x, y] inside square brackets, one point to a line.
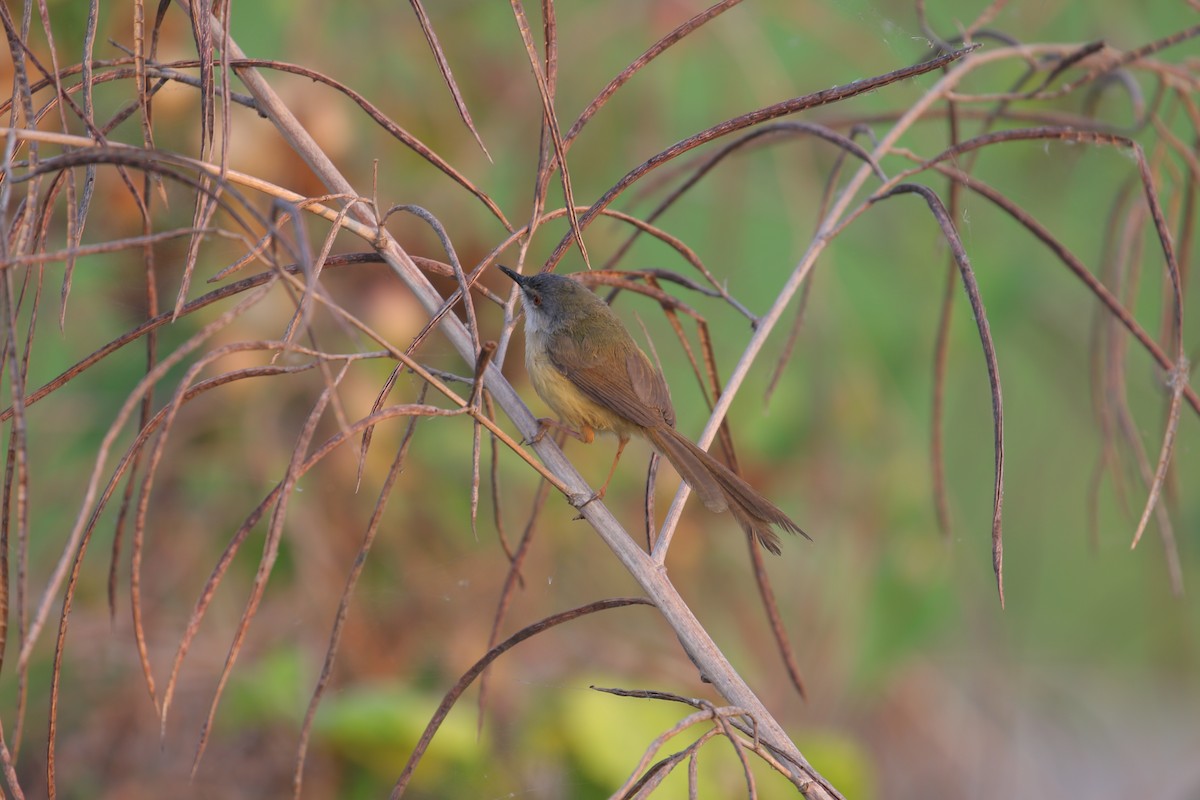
[537, 299]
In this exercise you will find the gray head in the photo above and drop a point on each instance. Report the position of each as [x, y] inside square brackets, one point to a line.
[551, 300]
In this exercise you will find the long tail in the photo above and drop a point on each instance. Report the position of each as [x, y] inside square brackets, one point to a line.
[720, 488]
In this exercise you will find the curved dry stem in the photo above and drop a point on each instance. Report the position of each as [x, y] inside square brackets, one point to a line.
[824, 97]
[827, 194]
[443, 65]
[270, 553]
[448, 246]
[207, 593]
[154, 323]
[513, 580]
[678, 245]
[343, 609]
[77, 542]
[550, 118]
[993, 368]
[8, 764]
[479, 666]
[1077, 267]
[641, 61]
[645, 776]
[1180, 373]
[787, 653]
[776, 131]
[640, 787]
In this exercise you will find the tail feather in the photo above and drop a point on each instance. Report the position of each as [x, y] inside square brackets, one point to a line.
[690, 462]
[720, 488]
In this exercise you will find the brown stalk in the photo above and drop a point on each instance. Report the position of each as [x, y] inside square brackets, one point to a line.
[231, 549]
[708, 381]
[767, 134]
[479, 666]
[642, 775]
[641, 61]
[447, 75]
[1179, 374]
[823, 97]
[486, 353]
[545, 92]
[1074, 264]
[450, 301]
[75, 211]
[77, 541]
[989, 349]
[270, 553]
[512, 581]
[497, 495]
[343, 610]
[8, 764]
[793, 337]
[783, 644]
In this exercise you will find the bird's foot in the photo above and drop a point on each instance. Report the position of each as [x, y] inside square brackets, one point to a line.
[543, 424]
[581, 500]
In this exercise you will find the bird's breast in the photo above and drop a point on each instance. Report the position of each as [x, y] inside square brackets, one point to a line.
[566, 399]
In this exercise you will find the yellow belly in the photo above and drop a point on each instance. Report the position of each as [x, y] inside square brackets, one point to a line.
[571, 405]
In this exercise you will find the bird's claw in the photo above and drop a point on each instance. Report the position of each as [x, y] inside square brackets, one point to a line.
[581, 500]
[543, 424]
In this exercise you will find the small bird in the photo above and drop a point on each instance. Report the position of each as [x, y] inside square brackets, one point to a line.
[585, 365]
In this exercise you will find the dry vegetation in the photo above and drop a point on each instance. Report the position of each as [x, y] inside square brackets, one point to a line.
[174, 520]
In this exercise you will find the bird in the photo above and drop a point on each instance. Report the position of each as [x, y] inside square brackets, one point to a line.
[585, 365]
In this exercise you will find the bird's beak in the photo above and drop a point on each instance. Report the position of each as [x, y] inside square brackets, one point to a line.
[517, 278]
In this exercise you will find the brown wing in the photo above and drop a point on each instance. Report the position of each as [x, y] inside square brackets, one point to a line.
[649, 384]
[637, 392]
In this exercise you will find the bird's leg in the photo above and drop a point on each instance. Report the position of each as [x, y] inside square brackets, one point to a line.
[624, 440]
[613, 469]
[585, 434]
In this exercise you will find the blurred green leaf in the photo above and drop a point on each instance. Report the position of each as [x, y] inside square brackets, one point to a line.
[911, 606]
[377, 726]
